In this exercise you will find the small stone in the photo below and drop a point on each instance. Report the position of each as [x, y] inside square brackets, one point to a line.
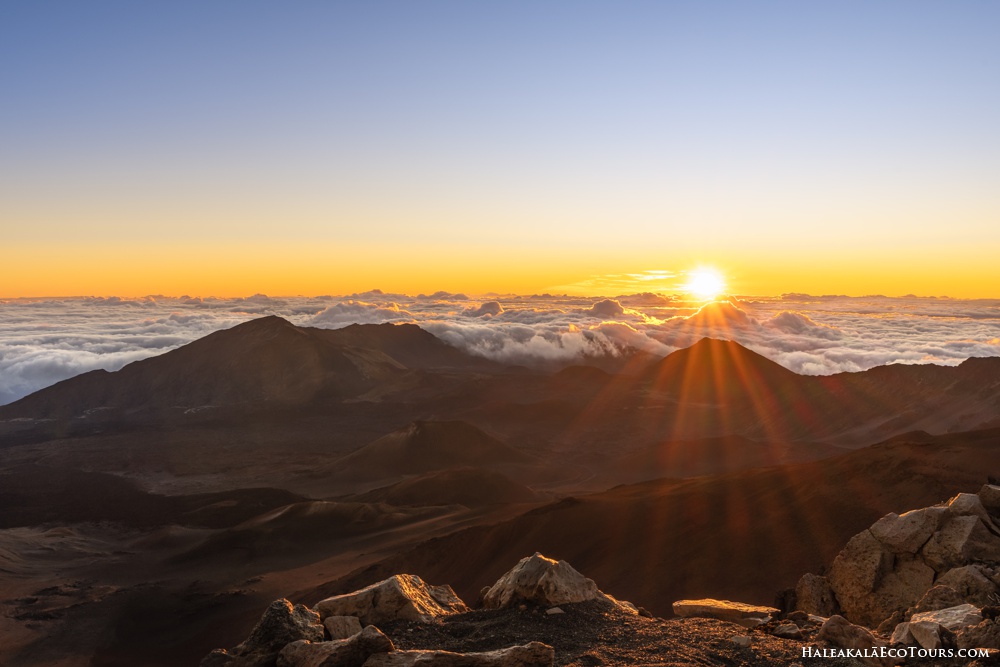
[743, 641]
[787, 631]
[554, 610]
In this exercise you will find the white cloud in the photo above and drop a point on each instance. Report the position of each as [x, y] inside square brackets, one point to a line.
[44, 341]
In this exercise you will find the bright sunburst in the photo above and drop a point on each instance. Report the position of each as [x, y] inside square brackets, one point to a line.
[705, 283]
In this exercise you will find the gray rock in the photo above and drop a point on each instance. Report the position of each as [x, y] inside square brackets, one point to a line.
[962, 539]
[954, 618]
[856, 573]
[931, 635]
[400, 597]
[546, 582]
[352, 652]
[342, 627]
[814, 596]
[938, 596]
[901, 635]
[969, 504]
[787, 631]
[743, 641]
[840, 632]
[906, 533]
[280, 625]
[534, 654]
[989, 496]
[970, 583]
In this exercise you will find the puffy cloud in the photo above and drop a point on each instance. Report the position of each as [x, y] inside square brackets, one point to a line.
[608, 308]
[43, 341]
[487, 309]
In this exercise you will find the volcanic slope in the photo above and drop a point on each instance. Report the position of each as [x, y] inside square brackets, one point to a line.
[742, 536]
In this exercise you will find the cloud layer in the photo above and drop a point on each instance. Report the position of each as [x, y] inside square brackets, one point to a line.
[45, 341]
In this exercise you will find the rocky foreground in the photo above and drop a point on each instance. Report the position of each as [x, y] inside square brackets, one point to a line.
[918, 588]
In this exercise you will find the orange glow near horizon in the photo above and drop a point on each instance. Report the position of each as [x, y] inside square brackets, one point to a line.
[278, 269]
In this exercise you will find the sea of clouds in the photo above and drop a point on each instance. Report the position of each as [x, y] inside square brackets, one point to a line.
[43, 341]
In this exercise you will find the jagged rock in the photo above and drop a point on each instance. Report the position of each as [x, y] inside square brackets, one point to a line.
[342, 627]
[903, 587]
[747, 615]
[961, 540]
[901, 635]
[888, 626]
[814, 595]
[989, 496]
[787, 631]
[352, 652]
[534, 654]
[280, 625]
[543, 581]
[840, 632]
[856, 572]
[400, 597]
[937, 597]
[906, 533]
[931, 635]
[984, 635]
[970, 583]
[953, 618]
[969, 504]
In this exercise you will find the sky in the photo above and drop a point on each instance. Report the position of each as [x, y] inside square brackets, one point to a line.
[43, 341]
[231, 148]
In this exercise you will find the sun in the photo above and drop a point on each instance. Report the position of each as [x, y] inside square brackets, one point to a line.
[704, 283]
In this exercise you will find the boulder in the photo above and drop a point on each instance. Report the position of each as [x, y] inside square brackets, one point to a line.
[969, 504]
[961, 540]
[931, 635]
[970, 583]
[814, 595]
[400, 597]
[351, 652]
[534, 654]
[953, 618]
[989, 496]
[282, 624]
[906, 533]
[855, 574]
[542, 581]
[901, 635]
[901, 588]
[747, 615]
[938, 596]
[841, 633]
[342, 627]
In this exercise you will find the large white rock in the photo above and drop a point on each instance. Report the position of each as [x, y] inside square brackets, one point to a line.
[953, 618]
[906, 533]
[534, 654]
[969, 504]
[542, 581]
[735, 612]
[402, 596]
[352, 652]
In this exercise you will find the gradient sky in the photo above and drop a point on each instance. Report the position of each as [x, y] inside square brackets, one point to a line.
[317, 147]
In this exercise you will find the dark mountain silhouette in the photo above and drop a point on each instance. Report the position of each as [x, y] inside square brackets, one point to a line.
[260, 361]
